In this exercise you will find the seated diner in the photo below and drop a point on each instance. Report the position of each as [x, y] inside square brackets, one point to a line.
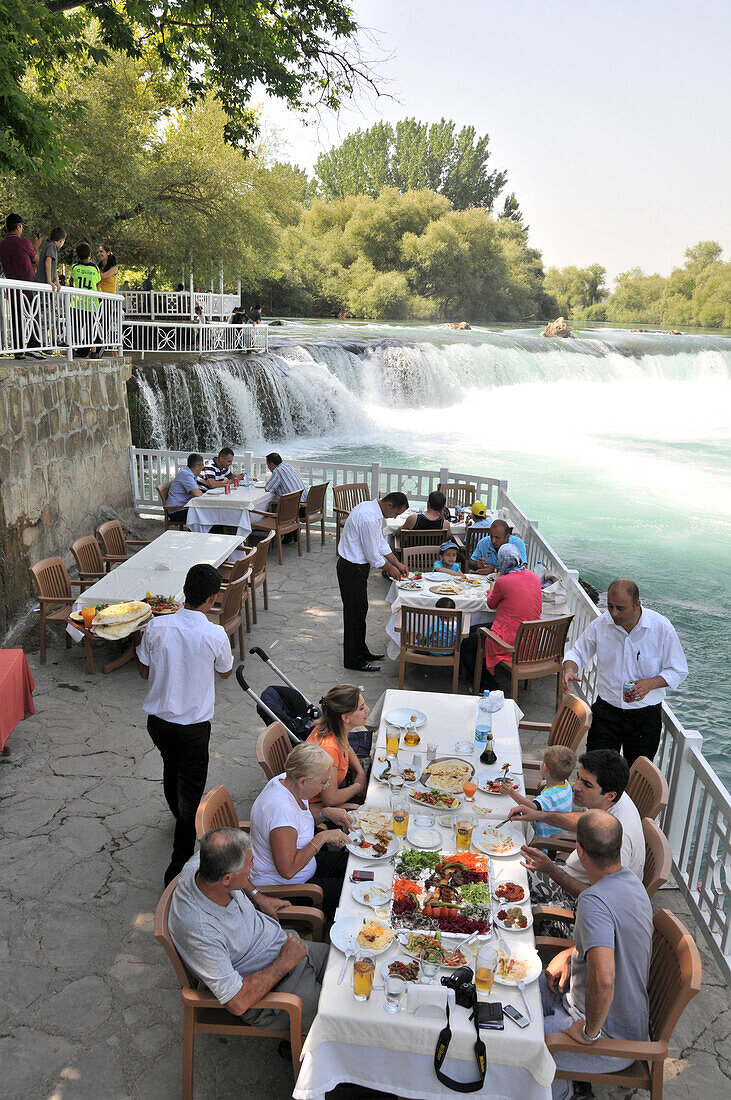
[432, 518]
[446, 561]
[283, 839]
[485, 553]
[216, 471]
[183, 488]
[343, 709]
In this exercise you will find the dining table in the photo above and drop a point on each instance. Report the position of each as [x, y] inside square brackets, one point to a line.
[233, 509]
[16, 693]
[359, 1041]
[161, 568]
[471, 598]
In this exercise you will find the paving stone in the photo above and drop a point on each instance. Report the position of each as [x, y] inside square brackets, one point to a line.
[74, 939]
[20, 985]
[83, 836]
[96, 1074]
[27, 1057]
[80, 1007]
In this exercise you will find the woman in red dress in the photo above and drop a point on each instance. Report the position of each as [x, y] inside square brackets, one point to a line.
[516, 596]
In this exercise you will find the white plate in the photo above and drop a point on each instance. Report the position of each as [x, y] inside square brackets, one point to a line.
[360, 889]
[445, 944]
[406, 959]
[409, 586]
[344, 932]
[438, 577]
[427, 806]
[485, 839]
[501, 902]
[508, 927]
[365, 853]
[401, 716]
[424, 838]
[534, 970]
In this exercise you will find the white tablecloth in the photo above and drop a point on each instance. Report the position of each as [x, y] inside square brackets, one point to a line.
[473, 599]
[160, 567]
[227, 509]
[360, 1042]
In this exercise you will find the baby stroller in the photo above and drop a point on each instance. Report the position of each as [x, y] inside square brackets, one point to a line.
[290, 707]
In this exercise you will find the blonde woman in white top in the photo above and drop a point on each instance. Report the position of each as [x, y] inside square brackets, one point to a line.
[283, 839]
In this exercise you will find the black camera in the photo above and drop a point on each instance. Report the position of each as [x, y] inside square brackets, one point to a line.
[461, 982]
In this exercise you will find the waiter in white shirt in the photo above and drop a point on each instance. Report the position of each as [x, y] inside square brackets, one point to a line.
[179, 655]
[362, 545]
[632, 644]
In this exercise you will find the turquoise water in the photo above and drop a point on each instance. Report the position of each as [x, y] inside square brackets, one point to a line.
[618, 443]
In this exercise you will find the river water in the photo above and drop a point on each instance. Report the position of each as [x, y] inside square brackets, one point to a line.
[618, 443]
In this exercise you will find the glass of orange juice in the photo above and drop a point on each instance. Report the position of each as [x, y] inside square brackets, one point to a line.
[364, 968]
[393, 739]
[470, 790]
[88, 614]
[485, 969]
[400, 811]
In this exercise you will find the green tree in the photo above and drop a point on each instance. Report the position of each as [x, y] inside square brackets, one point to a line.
[414, 156]
[302, 51]
[576, 288]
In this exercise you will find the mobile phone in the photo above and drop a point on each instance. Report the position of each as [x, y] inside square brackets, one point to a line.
[490, 1015]
[517, 1017]
[362, 876]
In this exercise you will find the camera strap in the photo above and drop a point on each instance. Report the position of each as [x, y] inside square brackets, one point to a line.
[445, 1037]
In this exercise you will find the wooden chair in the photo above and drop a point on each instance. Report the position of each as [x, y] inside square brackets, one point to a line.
[163, 491]
[458, 494]
[273, 746]
[406, 540]
[230, 613]
[569, 725]
[239, 569]
[656, 872]
[345, 498]
[417, 626]
[217, 811]
[536, 652]
[53, 589]
[284, 521]
[88, 558]
[204, 1015]
[473, 535]
[232, 570]
[421, 558]
[115, 544]
[675, 978]
[258, 577]
[647, 787]
[314, 507]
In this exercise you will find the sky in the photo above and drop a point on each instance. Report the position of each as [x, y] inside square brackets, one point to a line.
[612, 121]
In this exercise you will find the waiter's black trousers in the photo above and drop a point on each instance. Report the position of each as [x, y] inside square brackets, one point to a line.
[631, 732]
[184, 751]
[353, 584]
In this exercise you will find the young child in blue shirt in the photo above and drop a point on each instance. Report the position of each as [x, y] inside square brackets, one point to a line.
[447, 560]
[556, 796]
[442, 636]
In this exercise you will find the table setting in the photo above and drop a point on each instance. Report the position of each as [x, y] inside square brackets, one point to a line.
[428, 910]
[423, 590]
[227, 508]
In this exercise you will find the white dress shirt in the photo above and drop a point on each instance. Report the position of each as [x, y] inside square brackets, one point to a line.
[183, 652]
[633, 841]
[362, 541]
[651, 649]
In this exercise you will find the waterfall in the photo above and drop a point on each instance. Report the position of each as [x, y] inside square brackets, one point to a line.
[317, 385]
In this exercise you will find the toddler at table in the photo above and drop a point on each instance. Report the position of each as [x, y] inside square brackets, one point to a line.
[447, 560]
[556, 796]
[442, 636]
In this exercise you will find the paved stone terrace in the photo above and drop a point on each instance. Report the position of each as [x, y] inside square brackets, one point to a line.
[89, 1005]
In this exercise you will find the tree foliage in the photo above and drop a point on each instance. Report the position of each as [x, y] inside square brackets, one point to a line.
[576, 288]
[301, 51]
[414, 156]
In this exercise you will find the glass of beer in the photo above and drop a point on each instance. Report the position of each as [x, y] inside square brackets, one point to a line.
[485, 969]
[393, 739]
[400, 811]
[463, 827]
[470, 790]
[364, 967]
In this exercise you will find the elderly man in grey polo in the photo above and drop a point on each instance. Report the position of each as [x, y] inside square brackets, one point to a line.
[228, 934]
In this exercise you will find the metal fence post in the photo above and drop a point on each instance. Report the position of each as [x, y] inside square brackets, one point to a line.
[680, 784]
[67, 322]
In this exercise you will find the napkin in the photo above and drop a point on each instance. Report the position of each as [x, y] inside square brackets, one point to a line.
[437, 995]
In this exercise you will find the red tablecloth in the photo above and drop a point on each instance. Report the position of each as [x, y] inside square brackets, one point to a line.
[16, 691]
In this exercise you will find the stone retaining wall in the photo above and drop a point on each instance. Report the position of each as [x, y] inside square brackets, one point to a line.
[64, 461]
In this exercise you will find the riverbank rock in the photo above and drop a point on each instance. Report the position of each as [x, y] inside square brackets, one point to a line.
[558, 327]
[460, 325]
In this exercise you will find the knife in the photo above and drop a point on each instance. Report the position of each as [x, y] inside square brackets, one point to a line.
[348, 956]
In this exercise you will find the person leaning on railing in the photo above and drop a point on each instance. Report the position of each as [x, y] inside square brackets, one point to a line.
[18, 259]
[283, 818]
[108, 269]
[48, 264]
[85, 275]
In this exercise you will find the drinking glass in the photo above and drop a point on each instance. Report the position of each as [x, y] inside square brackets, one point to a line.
[418, 763]
[393, 739]
[485, 969]
[364, 967]
[400, 811]
[393, 987]
[396, 782]
[431, 750]
[463, 827]
[429, 965]
[463, 748]
[470, 789]
[423, 820]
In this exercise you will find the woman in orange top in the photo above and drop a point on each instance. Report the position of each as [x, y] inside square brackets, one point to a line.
[343, 709]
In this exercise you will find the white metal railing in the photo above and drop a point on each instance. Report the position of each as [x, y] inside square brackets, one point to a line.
[697, 820]
[149, 336]
[35, 318]
[151, 304]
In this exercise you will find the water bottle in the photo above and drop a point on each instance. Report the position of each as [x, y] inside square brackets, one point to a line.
[540, 572]
[246, 480]
[483, 726]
